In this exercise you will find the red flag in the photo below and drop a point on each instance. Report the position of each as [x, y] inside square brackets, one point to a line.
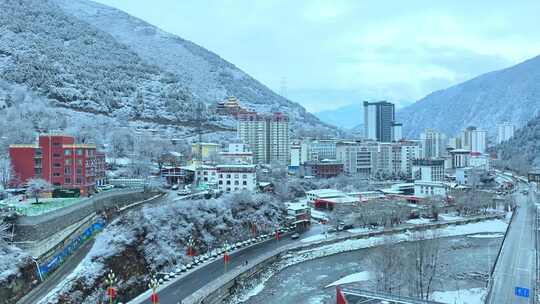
[253, 229]
[154, 298]
[111, 292]
[340, 298]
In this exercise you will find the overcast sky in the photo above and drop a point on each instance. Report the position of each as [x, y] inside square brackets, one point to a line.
[334, 53]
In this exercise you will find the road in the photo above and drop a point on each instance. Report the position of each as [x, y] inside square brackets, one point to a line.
[58, 275]
[200, 277]
[516, 266]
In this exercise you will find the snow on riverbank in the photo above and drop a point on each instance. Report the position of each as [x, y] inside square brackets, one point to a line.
[352, 278]
[485, 227]
[462, 296]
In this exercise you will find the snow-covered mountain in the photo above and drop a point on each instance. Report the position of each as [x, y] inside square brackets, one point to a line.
[511, 94]
[92, 58]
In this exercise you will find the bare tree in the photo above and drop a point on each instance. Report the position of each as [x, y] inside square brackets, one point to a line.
[423, 258]
[388, 266]
[36, 186]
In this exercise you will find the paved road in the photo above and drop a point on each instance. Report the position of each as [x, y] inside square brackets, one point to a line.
[202, 276]
[516, 266]
[58, 276]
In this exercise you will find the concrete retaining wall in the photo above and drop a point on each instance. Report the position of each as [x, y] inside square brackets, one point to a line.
[38, 228]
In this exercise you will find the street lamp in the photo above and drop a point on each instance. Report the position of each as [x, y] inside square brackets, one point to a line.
[111, 291]
[153, 285]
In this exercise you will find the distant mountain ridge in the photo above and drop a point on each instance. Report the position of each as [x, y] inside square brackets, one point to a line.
[347, 117]
[511, 94]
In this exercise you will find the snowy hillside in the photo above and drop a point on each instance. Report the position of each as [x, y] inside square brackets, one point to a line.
[522, 151]
[209, 77]
[512, 94]
[105, 62]
[155, 239]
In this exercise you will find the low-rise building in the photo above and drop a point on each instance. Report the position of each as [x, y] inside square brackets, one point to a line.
[299, 215]
[322, 169]
[313, 195]
[429, 170]
[57, 159]
[236, 177]
[228, 157]
[423, 189]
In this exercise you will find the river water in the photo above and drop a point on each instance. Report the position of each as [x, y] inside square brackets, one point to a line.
[465, 262]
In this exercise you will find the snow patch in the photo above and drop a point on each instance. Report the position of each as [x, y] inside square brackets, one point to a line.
[352, 278]
[461, 296]
[487, 235]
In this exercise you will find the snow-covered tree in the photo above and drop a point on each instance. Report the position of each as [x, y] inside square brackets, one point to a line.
[6, 171]
[37, 186]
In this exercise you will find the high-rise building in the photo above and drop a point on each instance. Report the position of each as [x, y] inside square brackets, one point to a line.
[505, 131]
[474, 140]
[433, 144]
[479, 141]
[379, 121]
[267, 136]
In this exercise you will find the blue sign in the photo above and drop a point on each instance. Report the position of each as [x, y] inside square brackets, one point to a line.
[521, 292]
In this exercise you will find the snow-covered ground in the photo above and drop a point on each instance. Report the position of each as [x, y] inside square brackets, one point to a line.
[462, 296]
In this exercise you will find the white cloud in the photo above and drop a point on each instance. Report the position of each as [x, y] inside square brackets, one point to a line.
[403, 49]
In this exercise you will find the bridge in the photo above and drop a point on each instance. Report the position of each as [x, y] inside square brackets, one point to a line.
[354, 295]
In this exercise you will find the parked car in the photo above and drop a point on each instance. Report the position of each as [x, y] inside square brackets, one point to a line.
[183, 192]
[174, 187]
[295, 236]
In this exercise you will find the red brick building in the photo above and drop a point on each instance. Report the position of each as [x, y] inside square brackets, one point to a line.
[323, 169]
[59, 160]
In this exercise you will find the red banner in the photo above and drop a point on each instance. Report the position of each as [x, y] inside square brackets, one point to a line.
[254, 229]
[226, 258]
[340, 298]
[154, 298]
[277, 235]
[111, 292]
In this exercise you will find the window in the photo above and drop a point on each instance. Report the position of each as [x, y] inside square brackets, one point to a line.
[67, 152]
[56, 174]
[78, 181]
[220, 182]
[236, 183]
[79, 170]
[220, 175]
[244, 175]
[67, 170]
[57, 184]
[236, 176]
[57, 165]
[79, 152]
[67, 161]
[228, 176]
[56, 144]
[205, 173]
[67, 180]
[79, 162]
[244, 183]
[228, 182]
[228, 189]
[56, 155]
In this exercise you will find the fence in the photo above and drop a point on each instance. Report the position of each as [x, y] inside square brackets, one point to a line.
[73, 245]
